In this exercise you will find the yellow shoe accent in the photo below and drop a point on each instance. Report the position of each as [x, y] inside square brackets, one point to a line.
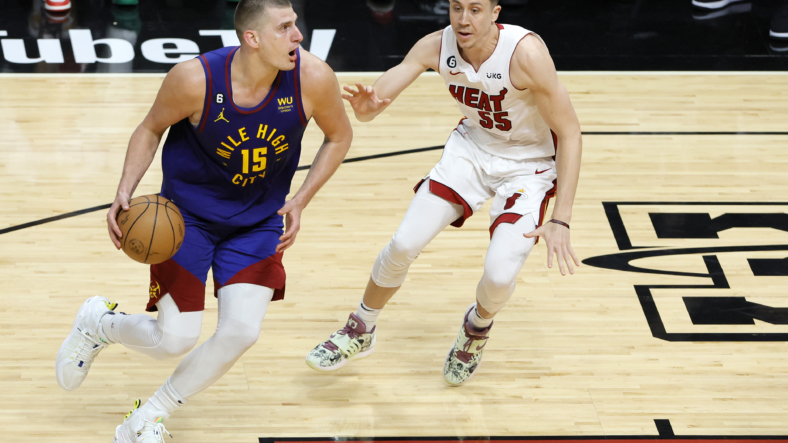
[137, 404]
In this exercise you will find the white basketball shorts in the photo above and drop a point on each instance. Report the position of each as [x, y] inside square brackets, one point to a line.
[468, 176]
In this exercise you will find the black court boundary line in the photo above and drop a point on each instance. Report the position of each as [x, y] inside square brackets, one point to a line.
[376, 156]
[677, 438]
[55, 218]
[663, 426]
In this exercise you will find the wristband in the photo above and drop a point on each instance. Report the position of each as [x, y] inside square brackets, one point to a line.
[559, 222]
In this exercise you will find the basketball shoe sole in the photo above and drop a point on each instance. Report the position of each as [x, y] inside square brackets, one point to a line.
[343, 362]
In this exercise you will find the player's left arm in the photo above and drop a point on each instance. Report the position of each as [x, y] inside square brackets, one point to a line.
[322, 100]
[533, 68]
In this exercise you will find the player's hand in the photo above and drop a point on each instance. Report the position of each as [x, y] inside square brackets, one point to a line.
[292, 212]
[121, 202]
[364, 100]
[557, 239]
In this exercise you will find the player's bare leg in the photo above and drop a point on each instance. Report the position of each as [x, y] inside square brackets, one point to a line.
[483, 313]
[376, 297]
[427, 215]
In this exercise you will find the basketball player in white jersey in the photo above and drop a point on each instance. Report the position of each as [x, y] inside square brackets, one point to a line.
[506, 85]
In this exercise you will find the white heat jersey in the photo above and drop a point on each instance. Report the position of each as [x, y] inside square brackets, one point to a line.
[501, 119]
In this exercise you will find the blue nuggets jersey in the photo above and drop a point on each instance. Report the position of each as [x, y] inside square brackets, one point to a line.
[236, 166]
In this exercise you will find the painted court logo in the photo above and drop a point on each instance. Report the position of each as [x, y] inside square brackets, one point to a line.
[726, 263]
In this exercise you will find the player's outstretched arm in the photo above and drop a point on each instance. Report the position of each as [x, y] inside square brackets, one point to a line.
[369, 101]
[533, 68]
[181, 95]
[321, 101]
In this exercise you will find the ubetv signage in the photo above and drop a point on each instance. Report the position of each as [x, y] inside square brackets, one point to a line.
[116, 50]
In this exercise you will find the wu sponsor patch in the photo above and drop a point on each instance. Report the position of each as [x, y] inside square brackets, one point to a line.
[285, 104]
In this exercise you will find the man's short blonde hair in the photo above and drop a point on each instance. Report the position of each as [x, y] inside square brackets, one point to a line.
[248, 13]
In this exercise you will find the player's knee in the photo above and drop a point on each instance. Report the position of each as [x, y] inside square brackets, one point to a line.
[498, 281]
[247, 339]
[237, 340]
[403, 249]
[181, 345]
[173, 346]
[495, 290]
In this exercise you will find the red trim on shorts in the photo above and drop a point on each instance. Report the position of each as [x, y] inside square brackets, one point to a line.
[451, 196]
[269, 273]
[458, 124]
[506, 217]
[186, 290]
[418, 185]
[208, 92]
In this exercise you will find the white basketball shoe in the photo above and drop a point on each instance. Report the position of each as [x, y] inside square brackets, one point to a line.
[137, 429]
[83, 344]
[349, 343]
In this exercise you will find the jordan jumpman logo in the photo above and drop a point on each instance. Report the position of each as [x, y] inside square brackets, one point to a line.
[221, 117]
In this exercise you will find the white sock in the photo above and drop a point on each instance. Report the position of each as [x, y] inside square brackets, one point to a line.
[109, 327]
[368, 315]
[163, 403]
[477, 321]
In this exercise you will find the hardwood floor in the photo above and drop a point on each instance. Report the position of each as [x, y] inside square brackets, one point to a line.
[569, 356]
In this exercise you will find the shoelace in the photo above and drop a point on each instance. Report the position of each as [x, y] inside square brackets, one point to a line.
[348, 331]
[353, 345]
[153, 432]
[87, 350]
[466, 354]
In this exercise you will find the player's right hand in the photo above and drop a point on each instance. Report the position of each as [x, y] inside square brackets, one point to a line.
[364, 100]
[121, 202]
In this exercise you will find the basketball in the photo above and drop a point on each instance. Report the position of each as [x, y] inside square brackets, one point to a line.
[152, 229]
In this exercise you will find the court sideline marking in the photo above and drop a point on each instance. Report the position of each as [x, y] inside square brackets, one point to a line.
[376, 156]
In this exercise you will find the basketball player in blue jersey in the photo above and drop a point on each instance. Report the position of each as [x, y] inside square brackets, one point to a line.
[236, 118]
[519, 144]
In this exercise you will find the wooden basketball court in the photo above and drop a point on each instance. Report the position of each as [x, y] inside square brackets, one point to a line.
[569, 356]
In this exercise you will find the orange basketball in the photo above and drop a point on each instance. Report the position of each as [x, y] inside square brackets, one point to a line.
[152, 229]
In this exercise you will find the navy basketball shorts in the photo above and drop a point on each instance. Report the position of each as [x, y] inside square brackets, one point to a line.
[236, 255]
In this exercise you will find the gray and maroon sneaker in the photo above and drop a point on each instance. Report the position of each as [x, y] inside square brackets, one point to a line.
[465, 355]
[349, 343]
